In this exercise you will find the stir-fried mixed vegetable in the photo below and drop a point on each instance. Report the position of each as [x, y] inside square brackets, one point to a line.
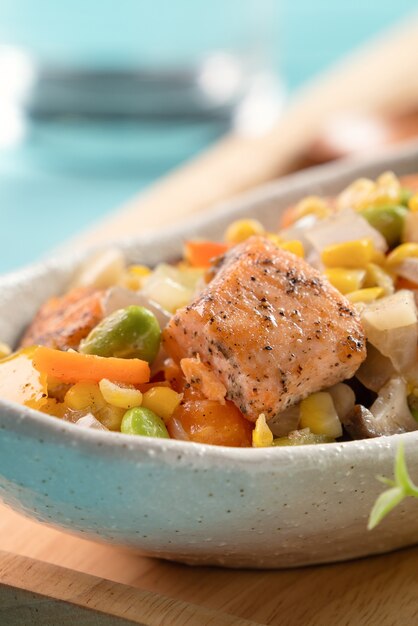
[259, 340]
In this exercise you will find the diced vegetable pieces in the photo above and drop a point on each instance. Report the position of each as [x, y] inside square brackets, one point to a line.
[201, 253]
[402, 252]
[120, 395]
[294, 246]
[345, 279]
[72, 367]
[205, 421]
[318, 413]
[162, 400]
[143, 422]
[240, 230]
[262, 435]
[21, 382]
[365, 295]
[348, 253]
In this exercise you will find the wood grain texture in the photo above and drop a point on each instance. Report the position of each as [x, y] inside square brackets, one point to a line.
[33, 592]
[379, 77]
[378, 591]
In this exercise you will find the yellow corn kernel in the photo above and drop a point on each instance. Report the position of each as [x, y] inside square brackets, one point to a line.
[134, 276]
[312, 205]
[348, 253]
[262, 435]
[4, 350]
[120, 396]
[357, 195]
[162, 400]
[365, 295]
[402, 252]
[83, 396]
[275, 238]
[295, 246]
[413, 203]
[110, 416]
[240, 230]
[53, 407]
[345, 279]
[317, 412]
[377, 277]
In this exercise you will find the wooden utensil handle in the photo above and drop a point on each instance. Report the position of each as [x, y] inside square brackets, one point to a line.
[378, 77]
[32, 592]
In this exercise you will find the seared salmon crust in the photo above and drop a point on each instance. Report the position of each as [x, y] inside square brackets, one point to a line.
[271, 327]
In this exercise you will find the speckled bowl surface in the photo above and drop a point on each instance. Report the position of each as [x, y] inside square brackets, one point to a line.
[194, 503]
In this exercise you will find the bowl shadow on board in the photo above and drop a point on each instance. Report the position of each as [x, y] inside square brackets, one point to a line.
[193, 503]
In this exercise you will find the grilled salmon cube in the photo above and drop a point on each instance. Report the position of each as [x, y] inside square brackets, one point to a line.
[271, 328]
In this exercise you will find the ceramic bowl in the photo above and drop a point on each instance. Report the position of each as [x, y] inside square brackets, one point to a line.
[195, 503]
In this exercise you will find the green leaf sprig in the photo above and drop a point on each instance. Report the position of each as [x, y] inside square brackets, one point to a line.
[400, 488]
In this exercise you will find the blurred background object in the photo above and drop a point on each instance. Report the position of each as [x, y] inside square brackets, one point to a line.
[97, 101]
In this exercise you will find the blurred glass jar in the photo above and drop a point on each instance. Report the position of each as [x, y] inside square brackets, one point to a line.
[146, 82]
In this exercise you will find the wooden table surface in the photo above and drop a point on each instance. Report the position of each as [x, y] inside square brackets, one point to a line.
[379, 590]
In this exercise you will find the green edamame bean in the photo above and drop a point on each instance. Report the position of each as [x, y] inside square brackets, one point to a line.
[144, 422]
[388, 220]
[133, 332]
[405, 196]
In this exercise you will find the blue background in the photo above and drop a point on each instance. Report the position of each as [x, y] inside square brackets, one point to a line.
[54, 184]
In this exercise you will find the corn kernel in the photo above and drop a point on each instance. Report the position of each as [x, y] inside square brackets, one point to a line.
[402, 252]
[317, 412]
[293, 246]
[312, 205]
[83, 396]
[110, 416]
[133, 278]
[240, 230]
[345, 280]
[275, 238]
[365, 295]
[262, 435]
[162, 400]
[377, 277]
[413, 203]
[52, 407]
[4, 350]
[357, 195]
[348, 253]
[117, 395]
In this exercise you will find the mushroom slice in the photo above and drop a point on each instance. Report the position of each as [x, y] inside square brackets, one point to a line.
[388, 415]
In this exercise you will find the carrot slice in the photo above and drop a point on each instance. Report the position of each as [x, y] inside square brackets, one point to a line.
[72, 367]
[200, 253]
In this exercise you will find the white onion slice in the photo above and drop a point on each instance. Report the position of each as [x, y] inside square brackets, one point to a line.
[89, 421]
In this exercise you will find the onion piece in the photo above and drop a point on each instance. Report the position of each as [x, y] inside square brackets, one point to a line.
[408, 269]
[388, 415]
[343, 398]
[89, 421]
[376, 370]
[346, 225]
[286, 421]
[119, 297]
[391, 325]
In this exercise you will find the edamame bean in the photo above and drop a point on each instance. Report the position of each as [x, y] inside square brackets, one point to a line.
[405, 196]
[133, 332]
[144, 422]
[388, 220]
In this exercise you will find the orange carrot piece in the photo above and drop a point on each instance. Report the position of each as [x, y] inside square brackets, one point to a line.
[72, 367]
[200, 253]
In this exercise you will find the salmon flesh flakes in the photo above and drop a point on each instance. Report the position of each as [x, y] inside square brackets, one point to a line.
[271, 328]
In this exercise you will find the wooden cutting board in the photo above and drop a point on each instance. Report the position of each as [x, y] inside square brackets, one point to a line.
[49, 578]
